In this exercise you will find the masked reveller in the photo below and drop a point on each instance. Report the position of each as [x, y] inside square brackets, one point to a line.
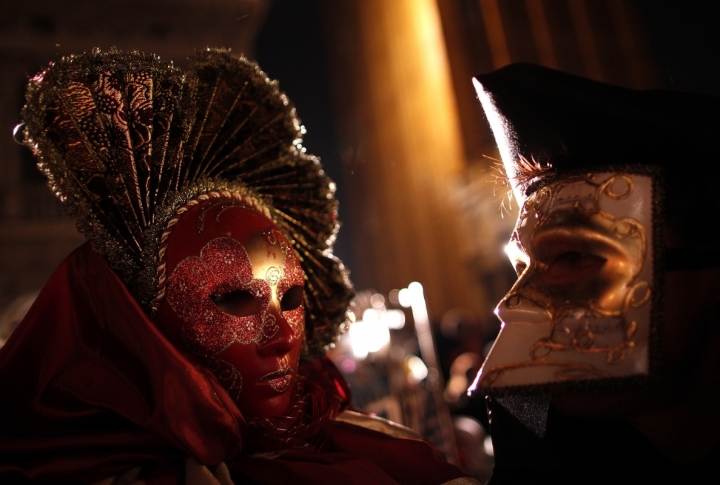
[185, 342]
[607, 368]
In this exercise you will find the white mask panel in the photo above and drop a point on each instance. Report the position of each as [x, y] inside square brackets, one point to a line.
[581, 308]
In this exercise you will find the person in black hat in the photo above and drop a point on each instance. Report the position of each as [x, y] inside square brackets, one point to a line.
[607, 368]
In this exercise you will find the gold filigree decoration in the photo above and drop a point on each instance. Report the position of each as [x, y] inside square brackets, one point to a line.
[582, 340]
[127, 139]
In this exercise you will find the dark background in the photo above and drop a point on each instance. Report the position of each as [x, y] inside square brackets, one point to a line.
[682, 36]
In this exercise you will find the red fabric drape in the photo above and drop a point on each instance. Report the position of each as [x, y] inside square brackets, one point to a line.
[90, 388]
[354, 456]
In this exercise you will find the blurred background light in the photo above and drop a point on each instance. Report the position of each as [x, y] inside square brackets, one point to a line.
[417, 368]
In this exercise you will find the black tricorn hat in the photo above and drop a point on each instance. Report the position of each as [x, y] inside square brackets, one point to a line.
[571, 123]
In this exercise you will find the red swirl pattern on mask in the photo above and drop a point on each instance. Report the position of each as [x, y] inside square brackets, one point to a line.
[223, 266]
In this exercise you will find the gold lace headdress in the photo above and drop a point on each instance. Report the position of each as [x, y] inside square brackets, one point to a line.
[127, 140]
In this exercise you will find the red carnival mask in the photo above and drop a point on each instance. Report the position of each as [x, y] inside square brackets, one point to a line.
[235, 299]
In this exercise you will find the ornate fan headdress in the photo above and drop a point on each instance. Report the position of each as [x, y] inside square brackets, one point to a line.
[129, 141]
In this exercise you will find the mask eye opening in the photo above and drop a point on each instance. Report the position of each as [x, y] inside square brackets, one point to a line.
[292, 299]
[240, 303]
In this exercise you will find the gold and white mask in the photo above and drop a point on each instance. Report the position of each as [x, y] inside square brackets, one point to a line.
[582, 305]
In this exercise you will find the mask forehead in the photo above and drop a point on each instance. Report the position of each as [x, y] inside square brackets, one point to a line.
[266, 256]
[262, 242]
[582, 306]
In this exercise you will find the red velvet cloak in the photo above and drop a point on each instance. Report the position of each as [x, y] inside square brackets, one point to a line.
[90, 388]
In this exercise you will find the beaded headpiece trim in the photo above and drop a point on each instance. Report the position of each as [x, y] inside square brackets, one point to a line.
[127, 140]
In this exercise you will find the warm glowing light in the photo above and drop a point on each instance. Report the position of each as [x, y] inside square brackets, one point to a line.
[370, 334]
[509, 250]
[502, 131]
[405, 298]
[370, 315]
[417, 369]
[430, 36]
[514, 253]
[417, 302]
[473, 387]
[395, 319]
